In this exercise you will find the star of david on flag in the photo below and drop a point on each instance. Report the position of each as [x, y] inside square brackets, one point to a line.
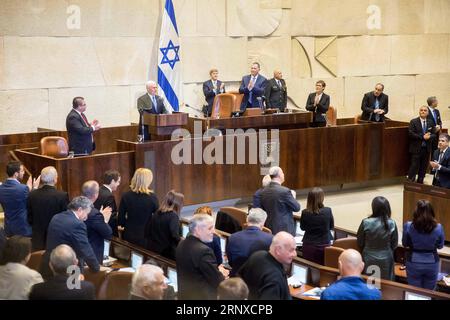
[166, 54]
[169, 62]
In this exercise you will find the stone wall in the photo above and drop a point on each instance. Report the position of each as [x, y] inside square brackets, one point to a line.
[105, 50]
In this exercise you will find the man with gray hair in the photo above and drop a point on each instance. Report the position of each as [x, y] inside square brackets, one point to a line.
[264, 272]
[97, 222]
[68, 228]
[350, 286]
[60, 286]
[279, 203]
[148, 283]
[241, 245]
[43, 204]
[197, 270]
[150, 103]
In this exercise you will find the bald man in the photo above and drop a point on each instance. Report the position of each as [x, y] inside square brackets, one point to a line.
[148, 283]
[279, 203]
[276, 92]
[150, 103]
[56, 288]
[97, 225]
[264, 272]
[351, 286]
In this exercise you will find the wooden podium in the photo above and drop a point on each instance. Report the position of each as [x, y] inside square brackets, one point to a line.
[161, 126]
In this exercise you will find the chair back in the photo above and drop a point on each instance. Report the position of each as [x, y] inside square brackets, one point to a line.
[35, 260]
[96, 278]
[331, 255]
[347, 243]
[238, 101]
[331, 116]
[238, 214]
[223, 105]
[54, 146]
[116, 286]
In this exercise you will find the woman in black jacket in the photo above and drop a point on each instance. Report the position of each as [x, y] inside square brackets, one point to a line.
[317, 222]
[137, 206]
[162, 231]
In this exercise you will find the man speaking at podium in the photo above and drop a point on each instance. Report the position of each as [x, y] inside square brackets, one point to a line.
[150, 103]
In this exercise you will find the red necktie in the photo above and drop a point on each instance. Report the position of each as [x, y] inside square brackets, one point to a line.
[85, 119]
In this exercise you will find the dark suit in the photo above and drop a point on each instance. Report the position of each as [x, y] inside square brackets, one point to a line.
[242, 244]
[98, 231]
[319, 111]
[250, 97]
[80, 134]
[162, 233]
[265, 277]
[13, 199]
[145, 104]
[257, 198]
[134, 211]
[66, 228]
[56, 289]
[279, 204]
[442, 177]
[2, 241]
[42, 205]
[368, 106]
[276, 96]
[419, 148]
[437, 121]
[106, 199]
[210, 93]
[198, 276]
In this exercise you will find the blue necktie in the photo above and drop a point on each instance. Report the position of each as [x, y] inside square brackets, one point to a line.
[434, 115]
[154, 104]
[250, 96]
[377, 106]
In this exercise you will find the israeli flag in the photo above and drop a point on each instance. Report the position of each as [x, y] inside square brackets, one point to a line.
[169, 63]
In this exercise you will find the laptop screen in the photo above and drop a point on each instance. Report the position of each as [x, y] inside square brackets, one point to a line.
[299, 272]
[172, 275]
[107, 245]
[415, 296]
[136, 260]
[184, 230]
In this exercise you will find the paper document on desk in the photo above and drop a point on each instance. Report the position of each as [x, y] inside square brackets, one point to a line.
[314, 293]
[447, 280]
[126, 270]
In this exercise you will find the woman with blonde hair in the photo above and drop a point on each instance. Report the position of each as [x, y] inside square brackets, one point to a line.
[162, 231]
[137, 206]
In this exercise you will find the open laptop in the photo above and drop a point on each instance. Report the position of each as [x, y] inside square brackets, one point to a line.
[136, 260]
[415, 296]
[107, 260]
[184, 230]
[172, 276]
[299, 275]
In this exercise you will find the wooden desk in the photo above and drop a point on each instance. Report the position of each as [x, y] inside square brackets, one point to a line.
[309, 157]
[297, 293]
[282, 121]
[72, 173]
[439, 198]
